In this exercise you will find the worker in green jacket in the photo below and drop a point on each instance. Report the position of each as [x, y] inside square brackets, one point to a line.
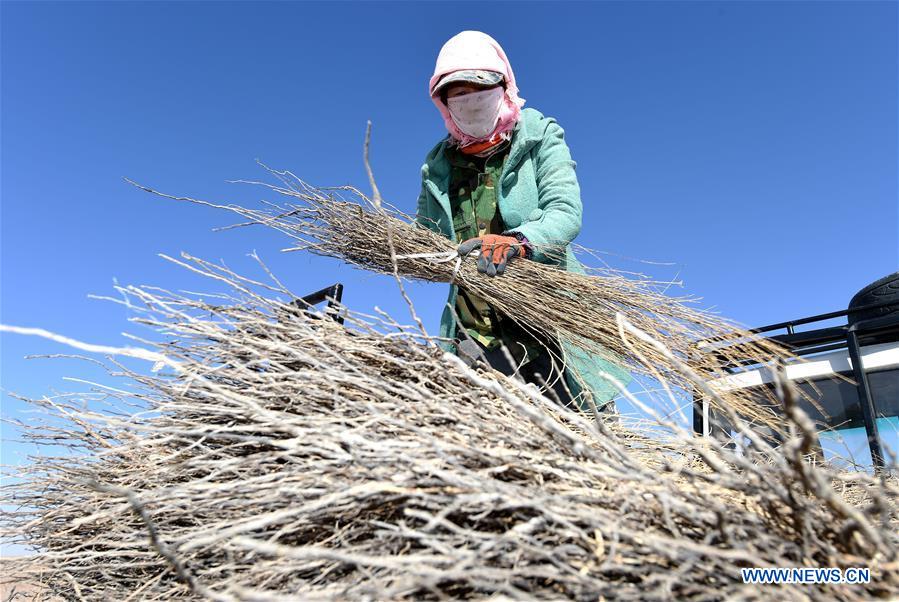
[502, 182]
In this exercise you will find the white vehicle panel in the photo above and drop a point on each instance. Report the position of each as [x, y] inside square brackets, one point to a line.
[873, 357]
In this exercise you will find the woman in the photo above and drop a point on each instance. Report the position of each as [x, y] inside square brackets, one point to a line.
[503, 182]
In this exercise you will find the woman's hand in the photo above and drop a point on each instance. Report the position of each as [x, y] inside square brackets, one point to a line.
[496, 251]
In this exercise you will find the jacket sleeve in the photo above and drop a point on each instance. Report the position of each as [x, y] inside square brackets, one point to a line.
[421, 209]
[422, 214]
[559, 198]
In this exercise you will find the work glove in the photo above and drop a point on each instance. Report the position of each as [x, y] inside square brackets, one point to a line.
[496, 251]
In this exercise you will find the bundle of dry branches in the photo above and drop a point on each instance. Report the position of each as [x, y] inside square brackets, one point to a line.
[277, 455]
[578, 308]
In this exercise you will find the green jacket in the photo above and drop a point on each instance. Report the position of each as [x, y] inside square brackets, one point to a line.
[539, 196]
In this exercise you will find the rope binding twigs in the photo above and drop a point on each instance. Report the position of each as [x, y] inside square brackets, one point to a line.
[441, 257]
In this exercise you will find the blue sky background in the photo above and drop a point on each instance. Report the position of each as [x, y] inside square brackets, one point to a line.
[751, 145]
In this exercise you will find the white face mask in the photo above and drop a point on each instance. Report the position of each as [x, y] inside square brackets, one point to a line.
[476, 113]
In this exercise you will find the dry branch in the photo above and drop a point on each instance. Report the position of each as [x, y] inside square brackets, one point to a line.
[579, 308]
[281, 456]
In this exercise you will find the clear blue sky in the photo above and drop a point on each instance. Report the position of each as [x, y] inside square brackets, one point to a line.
[751, 144]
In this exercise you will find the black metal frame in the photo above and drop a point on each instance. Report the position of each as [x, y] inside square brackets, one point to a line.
[850, 337]
[332, 294]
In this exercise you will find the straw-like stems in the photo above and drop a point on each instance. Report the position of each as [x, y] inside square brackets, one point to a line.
[577, 307]
[281, 456]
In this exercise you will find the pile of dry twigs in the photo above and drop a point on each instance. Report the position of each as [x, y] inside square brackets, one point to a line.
[278, 455]
[583, 309]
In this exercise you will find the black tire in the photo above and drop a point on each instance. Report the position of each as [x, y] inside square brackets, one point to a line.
[885, 289]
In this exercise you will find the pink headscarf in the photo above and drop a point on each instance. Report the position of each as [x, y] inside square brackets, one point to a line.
[477, 50]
